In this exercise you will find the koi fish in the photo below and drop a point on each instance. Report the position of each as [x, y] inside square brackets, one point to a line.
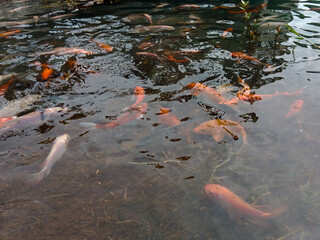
[138, 18]
[148, 17]
[237, 208]
[153, 28]
[18, 9]
[211, 93]
[246, 95]
[146, 45]
[161, 6]
[3, 120]
[16, 106]
[188, 6]
[56, 153]
[139, 92]
[226, 32]
[47, 72]
[295, 108]
[4, 78]
[167, 118]
[171, 58]
[7, 34]
[223, 7]
[185, 52]
[62, 16]
[102, 45]
[147, 54]
[247, 57]
[4, 87]
[217, 128]
[32, 118]
[130, 115]
[63, 51]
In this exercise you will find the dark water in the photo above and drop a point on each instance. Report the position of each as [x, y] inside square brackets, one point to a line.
[143, 179]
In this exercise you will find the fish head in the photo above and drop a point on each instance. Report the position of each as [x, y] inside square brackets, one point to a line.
[65, 137]
[139, 91]
[213, 191]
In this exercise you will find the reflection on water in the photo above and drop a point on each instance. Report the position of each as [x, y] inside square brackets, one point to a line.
[142, 176]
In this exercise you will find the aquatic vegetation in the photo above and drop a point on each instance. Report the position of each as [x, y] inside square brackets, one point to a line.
[299, 36]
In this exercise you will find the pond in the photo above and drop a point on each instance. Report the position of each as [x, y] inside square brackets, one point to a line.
[134, 86]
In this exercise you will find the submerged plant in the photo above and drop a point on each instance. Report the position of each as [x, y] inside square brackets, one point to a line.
[300, 37]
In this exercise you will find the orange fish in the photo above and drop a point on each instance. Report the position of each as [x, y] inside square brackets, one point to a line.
[223, 7]
[226, 32]
[237, 208]
[7, 34]
[246, 95]
[147, 54]
[211, 93]
[6, 119]
[4, 87]
[167, 118]
[102, 45]
[184, 52]
[146, 45]
[139, 92]
[247, 57]
[47, 72]
[295, 108]
[171, 58]
[219, 127]
[131, 114]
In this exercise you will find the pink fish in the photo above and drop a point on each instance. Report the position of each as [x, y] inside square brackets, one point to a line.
[146, 45]
[3, 120]
[130, 115]
[167, 118]
[218, 128]
[139, 92]
[64, 51]
[295, 108]
[210, 93]
[147, 54]
[238, 208]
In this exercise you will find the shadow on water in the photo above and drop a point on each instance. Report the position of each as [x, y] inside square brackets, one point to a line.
[135, 167]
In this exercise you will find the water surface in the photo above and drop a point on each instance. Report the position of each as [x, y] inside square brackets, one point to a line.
[144, 179]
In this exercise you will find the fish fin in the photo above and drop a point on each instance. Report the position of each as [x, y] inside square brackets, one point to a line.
[88, 125]
[218, 135]
[275, 212]
[34, 179]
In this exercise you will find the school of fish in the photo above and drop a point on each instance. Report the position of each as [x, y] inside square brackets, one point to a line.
[235, 206]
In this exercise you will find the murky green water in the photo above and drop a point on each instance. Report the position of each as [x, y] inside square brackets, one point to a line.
[144, 179]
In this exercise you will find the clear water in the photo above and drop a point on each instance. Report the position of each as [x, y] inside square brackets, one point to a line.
[142, 179]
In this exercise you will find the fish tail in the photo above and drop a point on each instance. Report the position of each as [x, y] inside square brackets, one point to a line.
[88, 125]
[34, 179]
[275, 213]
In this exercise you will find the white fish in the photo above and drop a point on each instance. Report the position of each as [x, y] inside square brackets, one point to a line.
[32, 118]
[57, 151]
[153, 29]
[4, 78]
[16, 106]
